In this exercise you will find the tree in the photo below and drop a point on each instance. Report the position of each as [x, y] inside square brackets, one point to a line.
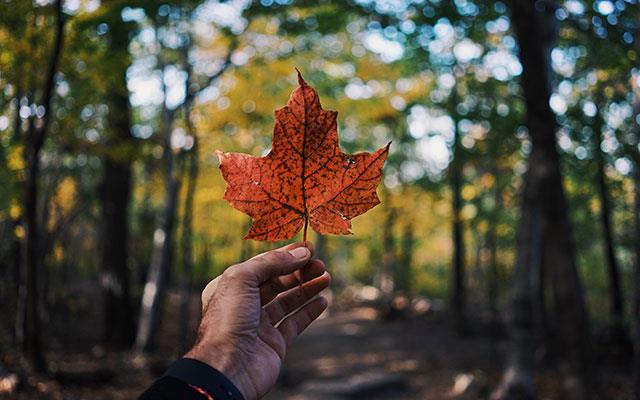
[458, 292]
[615, 291]
[115, 190]
[187, 219]
[174, 159]
[635, 303]
[544, 201]
[36, 135]
[162, 253]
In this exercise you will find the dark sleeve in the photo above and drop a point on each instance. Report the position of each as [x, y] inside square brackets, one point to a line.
[169, 388]
[189, 379]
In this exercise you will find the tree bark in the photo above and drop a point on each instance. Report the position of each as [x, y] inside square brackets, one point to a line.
[518, 379]
[536, 30]
[492, 270]
[636, 279]
[387, 284]
[115, 193]
[404, 268]
[635, 301]
[615, 291]
[155, 287]
[187, 245]
[458, 299]
[115, 279]
[187, 222]
[38, 129]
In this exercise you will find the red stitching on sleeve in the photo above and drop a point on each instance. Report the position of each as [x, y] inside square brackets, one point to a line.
[202, 392]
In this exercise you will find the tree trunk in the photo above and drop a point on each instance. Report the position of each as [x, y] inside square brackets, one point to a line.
[187, 222]
[187, 245]
[635, 301]
[387, 284]
[115, 196]
[458, 299]
[615, 291]
[29, 296]
[155, 287]
[404, 268]
[636, 281]
[536, 29]
[518, 379]
[492, 270]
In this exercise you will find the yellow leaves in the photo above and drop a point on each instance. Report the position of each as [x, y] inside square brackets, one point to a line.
[468, 212]
[19, 232]
[503, 229]
[487, 181]
[594, 206]
[15, 210]
[469, 192]
[58, 253]
[15, 159]
[63, 201]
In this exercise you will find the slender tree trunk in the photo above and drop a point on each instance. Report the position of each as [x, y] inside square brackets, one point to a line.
[536, 30]
[635, 301]
[615, 291]
[187, 222]
[404, 267]
[636, 279]
[458, 300]
[155, 287]
[29, 296]
[387, 284]
[146, 222]
[492, 270]
[187, 245]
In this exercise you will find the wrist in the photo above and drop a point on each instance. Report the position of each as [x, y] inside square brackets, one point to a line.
[225, 362]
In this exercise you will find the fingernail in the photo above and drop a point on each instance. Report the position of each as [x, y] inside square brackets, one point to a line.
[299, 252]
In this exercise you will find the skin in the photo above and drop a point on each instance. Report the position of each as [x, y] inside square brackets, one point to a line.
[254, 311]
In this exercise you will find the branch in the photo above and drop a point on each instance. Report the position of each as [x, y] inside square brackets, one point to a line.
[225, 65]
[37, 135]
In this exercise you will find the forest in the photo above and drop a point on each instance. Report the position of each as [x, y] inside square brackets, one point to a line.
[502, 263]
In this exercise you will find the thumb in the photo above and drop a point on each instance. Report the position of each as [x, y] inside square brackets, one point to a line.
[271, 264]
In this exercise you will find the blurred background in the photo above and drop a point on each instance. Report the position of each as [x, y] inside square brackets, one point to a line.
[500, 263]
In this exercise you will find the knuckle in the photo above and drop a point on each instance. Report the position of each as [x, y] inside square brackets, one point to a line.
[275, 257]
[208, 291]
[233, 273]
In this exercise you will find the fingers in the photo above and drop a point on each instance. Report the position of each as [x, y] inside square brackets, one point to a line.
[290, 300]
[292, 246]
[271, 264]
[294, 324]
[270, 289]
[248, 272]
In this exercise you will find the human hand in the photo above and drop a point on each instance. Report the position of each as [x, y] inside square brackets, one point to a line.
[246, 327]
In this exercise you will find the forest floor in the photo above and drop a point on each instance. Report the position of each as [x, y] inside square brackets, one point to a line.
[350, 353]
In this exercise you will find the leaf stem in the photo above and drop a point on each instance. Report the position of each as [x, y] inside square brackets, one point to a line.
[304, 241]
[304, 232]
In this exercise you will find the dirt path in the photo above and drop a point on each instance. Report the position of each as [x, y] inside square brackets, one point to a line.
[347, 355]
[353, 355]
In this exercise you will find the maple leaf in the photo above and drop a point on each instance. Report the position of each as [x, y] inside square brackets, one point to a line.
[305, 178]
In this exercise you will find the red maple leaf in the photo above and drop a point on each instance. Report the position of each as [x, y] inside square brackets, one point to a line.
[305, 178]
